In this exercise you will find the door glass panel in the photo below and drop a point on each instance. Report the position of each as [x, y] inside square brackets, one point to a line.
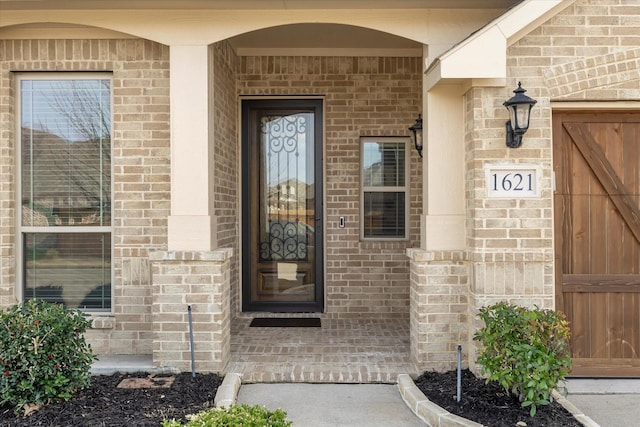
[281, 250]
[286, 208]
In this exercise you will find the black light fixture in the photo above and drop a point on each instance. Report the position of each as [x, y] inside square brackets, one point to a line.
[416, 129]
[519, 107]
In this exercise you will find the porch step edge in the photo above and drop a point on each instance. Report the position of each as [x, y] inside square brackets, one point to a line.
[227, 392]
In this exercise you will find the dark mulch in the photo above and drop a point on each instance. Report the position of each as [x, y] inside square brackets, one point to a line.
[488, 404]
[104, 405]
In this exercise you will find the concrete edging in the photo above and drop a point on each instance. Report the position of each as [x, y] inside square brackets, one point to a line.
[227, 392]
[435, 416]
[577, 413]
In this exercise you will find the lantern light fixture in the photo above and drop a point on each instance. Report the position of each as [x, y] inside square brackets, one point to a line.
[416, 130]
[519, 107]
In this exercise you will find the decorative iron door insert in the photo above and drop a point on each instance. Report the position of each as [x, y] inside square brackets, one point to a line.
[282, 205]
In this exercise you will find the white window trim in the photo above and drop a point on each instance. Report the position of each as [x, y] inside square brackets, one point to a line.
[405, 188]
[20, 230]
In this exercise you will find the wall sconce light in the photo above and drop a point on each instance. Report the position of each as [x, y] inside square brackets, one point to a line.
[416, 129]
[519, 107]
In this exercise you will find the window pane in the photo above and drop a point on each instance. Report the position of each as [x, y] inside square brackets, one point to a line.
[384, 214]
[384, 164]
[71, 268]
[66, 152]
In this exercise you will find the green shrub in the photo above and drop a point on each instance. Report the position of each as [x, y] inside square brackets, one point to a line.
[43, 354]
[526, 351]
[235, 415]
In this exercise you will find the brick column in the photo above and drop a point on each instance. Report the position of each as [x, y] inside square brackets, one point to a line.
[201, 280]
[438, 313]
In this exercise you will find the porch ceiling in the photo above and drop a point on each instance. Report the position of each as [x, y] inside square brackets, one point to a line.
[255, 4]
[301, 37]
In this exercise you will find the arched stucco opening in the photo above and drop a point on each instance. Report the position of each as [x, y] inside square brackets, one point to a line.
[370, 86]
[330, 39]
[60, 31]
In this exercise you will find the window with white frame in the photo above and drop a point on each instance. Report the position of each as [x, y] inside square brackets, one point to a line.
[65, 188]
[384, 194]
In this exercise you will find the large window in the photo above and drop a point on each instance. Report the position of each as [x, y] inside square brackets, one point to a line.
[65, 189]
[384, 191]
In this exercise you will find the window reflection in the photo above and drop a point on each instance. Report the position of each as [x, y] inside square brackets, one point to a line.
[66, 184]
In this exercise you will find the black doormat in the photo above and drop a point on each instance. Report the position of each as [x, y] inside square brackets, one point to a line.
[285, 322]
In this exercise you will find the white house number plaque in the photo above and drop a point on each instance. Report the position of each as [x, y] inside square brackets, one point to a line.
[512, 181]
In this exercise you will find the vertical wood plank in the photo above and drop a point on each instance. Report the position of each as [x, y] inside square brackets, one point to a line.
[630, 325]
[616, 325]
[580, 325]
[580, 190]
[631, 177]
[598, 325]
[562, 209]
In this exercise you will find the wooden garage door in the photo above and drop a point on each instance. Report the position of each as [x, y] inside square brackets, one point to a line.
[597, 238]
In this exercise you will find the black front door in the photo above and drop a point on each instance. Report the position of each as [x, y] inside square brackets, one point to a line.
[282, 206]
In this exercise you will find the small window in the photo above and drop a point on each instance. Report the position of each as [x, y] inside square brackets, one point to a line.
[65, 189]
[385, 188]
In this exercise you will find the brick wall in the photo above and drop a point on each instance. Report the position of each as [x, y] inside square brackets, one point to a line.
[589, 52]
[439, 308]
[363, 96]
[7, 180]
[199, 280]
[141, 170]
[225, 157]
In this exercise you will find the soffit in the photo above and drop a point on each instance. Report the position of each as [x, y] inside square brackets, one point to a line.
[483, 55]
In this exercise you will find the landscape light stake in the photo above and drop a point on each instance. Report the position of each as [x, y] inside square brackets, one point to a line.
[458, 395]
[193, 362]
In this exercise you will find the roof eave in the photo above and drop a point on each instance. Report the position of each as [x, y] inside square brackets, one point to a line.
[483, 55]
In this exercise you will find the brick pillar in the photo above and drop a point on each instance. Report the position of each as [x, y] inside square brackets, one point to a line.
[201, 280]
[439, 307]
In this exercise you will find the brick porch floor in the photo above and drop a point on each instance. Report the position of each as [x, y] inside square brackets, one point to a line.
[341, 351]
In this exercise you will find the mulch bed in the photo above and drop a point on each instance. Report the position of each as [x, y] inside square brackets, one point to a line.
[105, 405]
[488, 404]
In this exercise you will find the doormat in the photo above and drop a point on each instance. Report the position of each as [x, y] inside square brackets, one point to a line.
[285, 322]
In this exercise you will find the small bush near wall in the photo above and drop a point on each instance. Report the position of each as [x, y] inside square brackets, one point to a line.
[524, 350]
[43, 354]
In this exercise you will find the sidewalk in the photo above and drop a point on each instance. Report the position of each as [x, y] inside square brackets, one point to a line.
[609, 402]
[330, 405]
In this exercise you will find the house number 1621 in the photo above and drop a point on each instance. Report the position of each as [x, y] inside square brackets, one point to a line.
[512, 181]
[516, 182]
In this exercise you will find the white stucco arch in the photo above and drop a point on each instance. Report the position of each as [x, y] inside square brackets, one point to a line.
[436, 27]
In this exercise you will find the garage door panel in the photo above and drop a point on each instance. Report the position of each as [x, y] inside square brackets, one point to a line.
[597, 238]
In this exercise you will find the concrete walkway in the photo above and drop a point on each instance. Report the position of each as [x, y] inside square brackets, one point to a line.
[320, 405]
[609, 402]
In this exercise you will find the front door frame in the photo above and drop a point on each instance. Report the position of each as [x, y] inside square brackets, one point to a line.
[317, 105]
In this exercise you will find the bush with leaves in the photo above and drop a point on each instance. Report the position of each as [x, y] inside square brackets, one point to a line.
[235, 415]
[44, 357]
[524, 350]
